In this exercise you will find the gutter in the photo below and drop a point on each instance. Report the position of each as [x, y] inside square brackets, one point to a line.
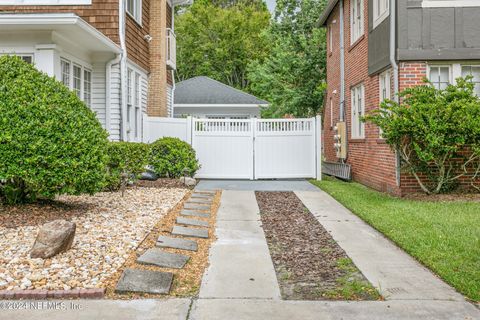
[393, 62]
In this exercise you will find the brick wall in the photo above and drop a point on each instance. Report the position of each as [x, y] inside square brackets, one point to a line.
[102, 14]
[372, 161]
[157, 92]
[137, 46]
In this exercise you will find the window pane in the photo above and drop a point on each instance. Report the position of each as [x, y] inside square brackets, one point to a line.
[77, 80]
[434, 74]
[87, 87]
[65, 66]
[444, 74]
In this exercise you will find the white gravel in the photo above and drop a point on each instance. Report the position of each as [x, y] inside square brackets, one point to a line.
[109, 230]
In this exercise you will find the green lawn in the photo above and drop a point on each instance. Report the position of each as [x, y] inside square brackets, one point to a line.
[444, 236]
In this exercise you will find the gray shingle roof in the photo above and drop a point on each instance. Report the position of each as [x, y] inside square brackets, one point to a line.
[204, 90]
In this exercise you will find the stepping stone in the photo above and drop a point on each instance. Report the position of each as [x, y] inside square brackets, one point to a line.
[192, 222]
[190, 232]
[202, 196]
[134, 280]
[199, 201]
[194, 213]
[194, 206]
[208, 192]
[162, 258]
[177, 243]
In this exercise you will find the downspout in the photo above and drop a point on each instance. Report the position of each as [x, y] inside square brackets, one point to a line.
[393, 62]
[123, 69]
[108, 90]
[342, 76]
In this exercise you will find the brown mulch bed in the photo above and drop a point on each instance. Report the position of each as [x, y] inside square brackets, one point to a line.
[309, 264]
[186, 281]
[161, 183]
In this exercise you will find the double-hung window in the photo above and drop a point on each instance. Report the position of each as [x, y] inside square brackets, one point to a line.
[137, 105]
[78, 79]
[385, 89]
[134, 9]
[473, 71]
[439, 76]
[380, 11]
[129, 98]
[134, 104]
[356, 20]
[358, 111]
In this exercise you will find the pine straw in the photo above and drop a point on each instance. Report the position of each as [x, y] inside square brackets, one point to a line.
[186, 281]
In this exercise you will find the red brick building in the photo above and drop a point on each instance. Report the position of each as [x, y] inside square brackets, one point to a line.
[371, 56]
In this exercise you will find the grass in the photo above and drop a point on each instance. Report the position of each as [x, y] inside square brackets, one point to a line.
[444, 236]
[349, 286]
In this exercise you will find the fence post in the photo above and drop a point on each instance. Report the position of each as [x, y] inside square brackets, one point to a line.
[253, 123]
[189, 130]
[318, 146]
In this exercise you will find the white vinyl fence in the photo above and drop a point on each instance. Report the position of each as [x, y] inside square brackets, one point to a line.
[247, 149]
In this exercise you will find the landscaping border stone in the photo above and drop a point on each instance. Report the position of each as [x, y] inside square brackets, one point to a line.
[39, 294]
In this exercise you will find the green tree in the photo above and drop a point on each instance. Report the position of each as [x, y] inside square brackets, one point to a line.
[430, 129]
[292, 78]
[219, 39]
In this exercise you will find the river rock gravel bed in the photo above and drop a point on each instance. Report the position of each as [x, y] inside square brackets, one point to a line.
[109, 228]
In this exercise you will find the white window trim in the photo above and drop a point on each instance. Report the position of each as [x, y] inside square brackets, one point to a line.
[45, 2]
[20, 54]
[449, 3]
[136, 104]
[353, 37]
[378, 18]
[388, 89]
[355, 115]
[137, 14]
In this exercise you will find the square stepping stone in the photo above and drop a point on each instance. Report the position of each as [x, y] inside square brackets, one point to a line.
[161, 258]
[133, 280]
[177, 243]
[202, 196]
[192, 222]
[194, 213]
[196, 206]
[208, 192]
[190, 232]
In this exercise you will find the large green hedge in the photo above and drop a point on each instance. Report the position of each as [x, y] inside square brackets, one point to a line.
[172, 157]
[50, 142]
[126, 161]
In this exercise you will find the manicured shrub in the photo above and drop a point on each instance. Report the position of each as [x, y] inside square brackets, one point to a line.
[436, 133]
[172, 157]
[126, 161]
[50, 142]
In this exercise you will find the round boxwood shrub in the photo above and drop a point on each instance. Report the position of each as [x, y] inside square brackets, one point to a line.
[172, 157]
[126, 161]
[50, 141]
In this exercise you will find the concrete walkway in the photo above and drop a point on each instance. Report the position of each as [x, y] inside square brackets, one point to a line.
[257, 185]
[241, 282]
[240, 263]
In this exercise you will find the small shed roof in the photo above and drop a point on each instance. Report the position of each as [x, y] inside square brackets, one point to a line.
[206, 91]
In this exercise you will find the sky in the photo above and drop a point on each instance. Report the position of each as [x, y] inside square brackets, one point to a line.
[270, 5]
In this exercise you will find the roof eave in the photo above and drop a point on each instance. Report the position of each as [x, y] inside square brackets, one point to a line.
[326, 13]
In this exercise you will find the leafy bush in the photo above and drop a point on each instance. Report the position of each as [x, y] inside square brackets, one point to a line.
[50, 142]
[431, 130]
[172, 157]
[126, 161]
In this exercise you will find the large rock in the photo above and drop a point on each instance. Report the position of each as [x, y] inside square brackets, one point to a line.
[54, 237]
[149, 175]
[189, 182]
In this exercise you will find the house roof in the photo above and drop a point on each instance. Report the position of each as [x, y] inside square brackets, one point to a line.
[206, 91]
[328, 10]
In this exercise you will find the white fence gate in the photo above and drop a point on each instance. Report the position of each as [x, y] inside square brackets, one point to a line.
[247, 149]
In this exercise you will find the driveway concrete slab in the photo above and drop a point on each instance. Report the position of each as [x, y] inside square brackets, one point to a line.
[240, 263]
[142, 309]
[257, 185]
[254, 309]
[393, 272]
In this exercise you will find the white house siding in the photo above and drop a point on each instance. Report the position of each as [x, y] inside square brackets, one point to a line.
[98, 92]
[220, 111]
[115, 103]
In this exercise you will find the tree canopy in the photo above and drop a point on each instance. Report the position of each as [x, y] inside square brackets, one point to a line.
[220, 38]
